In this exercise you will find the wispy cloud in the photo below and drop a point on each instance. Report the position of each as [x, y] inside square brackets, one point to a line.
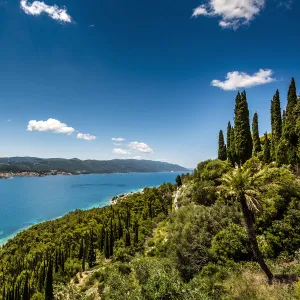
[118, 139]
[37, 8]
[236, 79]
[286, 4]
[140, 147]
[86, 136]
[50, 125]
[120, 151]
[233, 13]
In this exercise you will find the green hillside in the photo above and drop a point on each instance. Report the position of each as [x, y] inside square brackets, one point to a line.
[16, 164]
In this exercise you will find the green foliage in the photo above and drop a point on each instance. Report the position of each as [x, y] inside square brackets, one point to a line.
[178, 181]
[276, 122]
[211, 170]
[231, 244]
[222, 152]
[242, 133]
[255, 135]
[191, 230]
[267, 150]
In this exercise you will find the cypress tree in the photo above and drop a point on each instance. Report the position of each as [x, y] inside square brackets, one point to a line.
[232, 151]
[80, 255]
[178, 181]
[276, 123]
[222, 153]
[276, 120]
[92, 253]
[127, 239]
[26, 289]
[267, 149]
[106, 245]
[242, 132]
[228, 147]
[289, 129]
[49, 283]
[111, 239]
[255, 135]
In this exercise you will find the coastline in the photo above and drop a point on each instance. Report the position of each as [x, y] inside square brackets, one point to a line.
[11, 175]
[110, 201]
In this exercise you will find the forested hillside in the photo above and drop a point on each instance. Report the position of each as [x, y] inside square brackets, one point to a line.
[229, 230]
[34, 164]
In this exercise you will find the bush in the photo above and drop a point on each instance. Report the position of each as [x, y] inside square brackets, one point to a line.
[231, 244]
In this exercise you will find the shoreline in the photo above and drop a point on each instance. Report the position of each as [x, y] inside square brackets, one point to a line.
[110, 201]
[11, 175]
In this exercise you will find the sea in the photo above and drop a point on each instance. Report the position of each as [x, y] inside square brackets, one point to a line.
[25, 201]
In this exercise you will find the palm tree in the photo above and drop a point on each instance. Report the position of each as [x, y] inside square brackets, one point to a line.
[243, 187]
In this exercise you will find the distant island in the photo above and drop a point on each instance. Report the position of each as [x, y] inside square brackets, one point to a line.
[34, 166]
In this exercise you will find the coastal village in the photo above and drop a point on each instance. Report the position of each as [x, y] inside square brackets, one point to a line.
[9, 175]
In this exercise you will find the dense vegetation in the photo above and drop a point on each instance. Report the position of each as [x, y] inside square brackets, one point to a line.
[230, 230]
[41, 165]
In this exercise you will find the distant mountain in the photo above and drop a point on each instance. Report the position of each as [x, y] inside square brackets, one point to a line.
[75, 165]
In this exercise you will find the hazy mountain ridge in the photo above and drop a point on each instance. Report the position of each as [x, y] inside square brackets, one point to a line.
[89, 166]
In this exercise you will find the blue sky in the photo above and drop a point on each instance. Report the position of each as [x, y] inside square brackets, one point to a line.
[138, 70]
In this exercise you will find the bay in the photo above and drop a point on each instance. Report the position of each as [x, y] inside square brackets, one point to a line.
[25, 201]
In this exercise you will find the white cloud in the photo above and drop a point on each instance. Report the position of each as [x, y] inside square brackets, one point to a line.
[50, 125]
[86, 136]
[120, 151]
[117, 144]
[233, 13]
[140, 147]
[118, 139]
[37, 7]
[235, 80]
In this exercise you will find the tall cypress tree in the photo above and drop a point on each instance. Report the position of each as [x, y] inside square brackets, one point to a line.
[267, 149]
[242, 132]
[92, 253]
[232, 158]
[222, 153]
[289, 129]
[255, 135]
[276, 123]
[228, 141]
[49, 283]
[276, 120]
[26, 289]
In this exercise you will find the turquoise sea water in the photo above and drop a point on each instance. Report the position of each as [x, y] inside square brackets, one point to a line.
[26, 201]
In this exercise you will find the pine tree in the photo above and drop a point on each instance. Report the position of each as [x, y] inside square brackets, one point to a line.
[222, 152]
[242, 132]
[255, 135]
[267, 149]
